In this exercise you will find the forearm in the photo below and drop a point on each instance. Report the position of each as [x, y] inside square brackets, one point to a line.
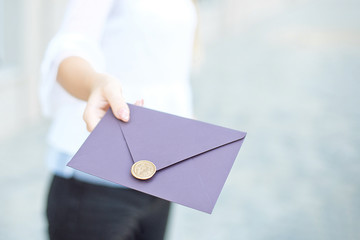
[78, 77]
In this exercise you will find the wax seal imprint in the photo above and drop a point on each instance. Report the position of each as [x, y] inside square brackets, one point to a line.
[143, 169]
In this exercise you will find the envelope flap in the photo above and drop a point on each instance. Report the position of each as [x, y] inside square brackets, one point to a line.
[166, 139]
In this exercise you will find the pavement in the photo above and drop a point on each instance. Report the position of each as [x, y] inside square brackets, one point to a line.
[291, 80]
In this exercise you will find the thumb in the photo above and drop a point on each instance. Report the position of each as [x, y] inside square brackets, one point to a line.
[113, 93]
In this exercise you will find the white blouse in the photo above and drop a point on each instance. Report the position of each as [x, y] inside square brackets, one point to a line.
[146, 44]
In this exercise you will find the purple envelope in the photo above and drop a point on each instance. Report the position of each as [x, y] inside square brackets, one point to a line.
[192, 158]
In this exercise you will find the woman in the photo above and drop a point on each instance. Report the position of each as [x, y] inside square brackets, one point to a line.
[107, 53]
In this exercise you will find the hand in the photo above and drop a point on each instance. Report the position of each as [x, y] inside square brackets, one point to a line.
[106, 93]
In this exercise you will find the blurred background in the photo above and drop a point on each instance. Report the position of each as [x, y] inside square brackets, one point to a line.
[285, 71]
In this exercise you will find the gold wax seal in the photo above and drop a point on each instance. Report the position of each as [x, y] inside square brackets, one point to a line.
[143, 169]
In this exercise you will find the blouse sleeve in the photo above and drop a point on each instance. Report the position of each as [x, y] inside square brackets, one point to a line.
[79, 35]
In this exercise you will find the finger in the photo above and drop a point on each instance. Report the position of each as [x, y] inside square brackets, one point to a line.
[95, 109]
[117, 103]
[140, 103]
[91, 117]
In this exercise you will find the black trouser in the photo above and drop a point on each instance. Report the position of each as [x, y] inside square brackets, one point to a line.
[78, 210]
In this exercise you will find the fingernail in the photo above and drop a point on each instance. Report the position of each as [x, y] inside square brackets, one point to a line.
[124, 114]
